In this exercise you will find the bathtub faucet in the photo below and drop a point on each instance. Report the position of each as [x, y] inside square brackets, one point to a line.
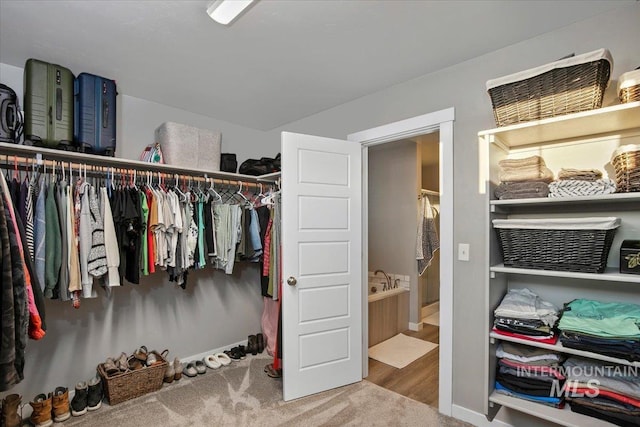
[387, 286]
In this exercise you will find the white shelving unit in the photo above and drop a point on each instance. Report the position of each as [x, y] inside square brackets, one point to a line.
[580, 141]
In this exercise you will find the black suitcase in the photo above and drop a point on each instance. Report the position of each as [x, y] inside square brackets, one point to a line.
[48, 104]
[10, 119]
[95, 114]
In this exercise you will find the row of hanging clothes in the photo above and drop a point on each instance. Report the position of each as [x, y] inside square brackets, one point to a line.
[73, 225]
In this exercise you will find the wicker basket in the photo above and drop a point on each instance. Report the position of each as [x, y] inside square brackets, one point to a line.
[121, 387]
[629, 86]
[568, 244]
[562, 87]
[626, 162]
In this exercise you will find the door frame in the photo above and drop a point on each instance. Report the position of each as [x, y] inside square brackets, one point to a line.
[441, 121]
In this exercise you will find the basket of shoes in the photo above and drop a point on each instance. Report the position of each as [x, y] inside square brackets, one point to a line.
[626, 162]
[569, 85]
[558, 244]
[629, 86]
[132, 376]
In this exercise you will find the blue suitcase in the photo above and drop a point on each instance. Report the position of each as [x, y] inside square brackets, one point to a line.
[95, 114]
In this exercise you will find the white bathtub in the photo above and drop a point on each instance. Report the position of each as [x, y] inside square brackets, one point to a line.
[377, 296]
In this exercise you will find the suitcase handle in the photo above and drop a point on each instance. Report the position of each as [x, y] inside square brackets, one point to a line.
[10, 116]
[105, 113]
[50, 115]
[58, 104]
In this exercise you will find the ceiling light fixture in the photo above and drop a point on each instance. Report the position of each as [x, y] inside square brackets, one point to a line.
[226, 11]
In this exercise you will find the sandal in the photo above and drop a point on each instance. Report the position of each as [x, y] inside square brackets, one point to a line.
[141, 354]
[273, 373]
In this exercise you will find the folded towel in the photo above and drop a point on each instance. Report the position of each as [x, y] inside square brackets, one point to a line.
[573, 188]
[518, 163]
[530, 173]
[579, 174]
[521, 190]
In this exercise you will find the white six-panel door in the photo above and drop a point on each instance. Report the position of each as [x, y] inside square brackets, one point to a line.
[321, 264]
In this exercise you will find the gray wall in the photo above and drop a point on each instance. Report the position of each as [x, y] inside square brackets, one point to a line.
[393, 183]
[463, 86]
[214, 311]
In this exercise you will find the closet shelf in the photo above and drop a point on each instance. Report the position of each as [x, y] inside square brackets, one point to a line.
[95, 160]
[611, 274]
[561, 349]
[560, 416]
[607, 199]
[616, 118]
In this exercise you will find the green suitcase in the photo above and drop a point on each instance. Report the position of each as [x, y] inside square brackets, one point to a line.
[48, 104]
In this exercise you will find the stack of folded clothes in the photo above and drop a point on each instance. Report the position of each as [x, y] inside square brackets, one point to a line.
[522, 314]
[529, 373]
[609, 328]
[605, 391]
[581, 182]
[523, 178]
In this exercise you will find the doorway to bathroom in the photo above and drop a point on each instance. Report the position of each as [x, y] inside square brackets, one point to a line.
[403, 301]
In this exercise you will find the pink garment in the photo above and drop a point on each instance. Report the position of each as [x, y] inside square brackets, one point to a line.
[270, 324]
[267, 249]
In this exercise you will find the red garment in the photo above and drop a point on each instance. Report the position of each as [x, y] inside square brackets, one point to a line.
[546, 340]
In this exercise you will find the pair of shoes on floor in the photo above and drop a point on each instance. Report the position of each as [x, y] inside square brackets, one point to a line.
[88, 397]
[237, 353]
[174, 369]
[255, 344]
[195, 368]
[217, 360]
[50, 408]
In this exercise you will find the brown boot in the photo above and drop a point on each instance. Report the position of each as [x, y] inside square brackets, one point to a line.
[41, 415]
[10, 413]
[60, 403]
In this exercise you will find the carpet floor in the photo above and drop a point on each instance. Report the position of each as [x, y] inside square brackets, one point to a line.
[243, 395]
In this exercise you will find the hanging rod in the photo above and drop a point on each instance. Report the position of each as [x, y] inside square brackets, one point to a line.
[430, 192]
[27, 164]
[94, 160]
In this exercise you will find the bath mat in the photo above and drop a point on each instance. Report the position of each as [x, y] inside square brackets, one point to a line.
[400, 350]
[432, 319]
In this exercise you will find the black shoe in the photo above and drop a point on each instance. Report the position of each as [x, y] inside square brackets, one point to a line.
[94, 397]
[252, 345]
[260, 342]
[79, 401]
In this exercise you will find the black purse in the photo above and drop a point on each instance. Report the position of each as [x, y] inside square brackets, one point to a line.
[228, 162]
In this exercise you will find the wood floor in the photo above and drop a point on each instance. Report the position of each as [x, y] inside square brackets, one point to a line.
[418, 380]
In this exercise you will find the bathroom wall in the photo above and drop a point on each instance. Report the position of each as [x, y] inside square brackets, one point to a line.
[393, 187]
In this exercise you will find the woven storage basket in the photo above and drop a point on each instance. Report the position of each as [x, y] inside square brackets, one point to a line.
[626, 162]
[121, 387]
[562, 87]
[629, 86]
[568, 244]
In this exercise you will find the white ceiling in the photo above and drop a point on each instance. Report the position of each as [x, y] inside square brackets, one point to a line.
[280, 61]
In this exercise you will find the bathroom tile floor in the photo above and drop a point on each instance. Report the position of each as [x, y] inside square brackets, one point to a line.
[418, 380]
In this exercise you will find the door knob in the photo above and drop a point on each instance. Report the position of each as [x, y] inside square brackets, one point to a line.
[291, 281]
